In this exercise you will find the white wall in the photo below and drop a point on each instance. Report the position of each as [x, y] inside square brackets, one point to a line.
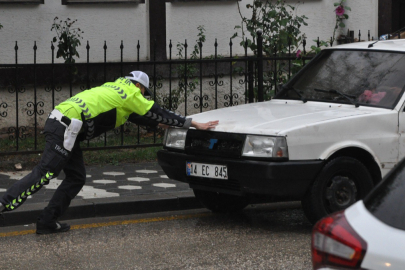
[363, 16]
[113, 23]
[220, 18]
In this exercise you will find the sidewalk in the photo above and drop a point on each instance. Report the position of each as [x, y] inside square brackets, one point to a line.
[109, 190]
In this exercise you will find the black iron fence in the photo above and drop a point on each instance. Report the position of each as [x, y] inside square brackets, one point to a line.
[28, 92]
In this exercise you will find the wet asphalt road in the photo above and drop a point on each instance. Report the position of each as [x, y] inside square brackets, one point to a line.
[272, 236]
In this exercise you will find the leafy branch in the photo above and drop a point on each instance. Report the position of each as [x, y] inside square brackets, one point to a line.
[341, 15]
[68, 39]
[279, 25]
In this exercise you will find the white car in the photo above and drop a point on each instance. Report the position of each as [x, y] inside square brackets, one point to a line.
[369, 234]
[327, 138]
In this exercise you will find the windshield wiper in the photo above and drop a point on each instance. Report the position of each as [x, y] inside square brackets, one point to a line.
[372, 44]
[297, 92]
[333, 91]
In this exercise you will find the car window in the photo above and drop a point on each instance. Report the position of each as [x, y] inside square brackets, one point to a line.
[370, 78]
[386, 202]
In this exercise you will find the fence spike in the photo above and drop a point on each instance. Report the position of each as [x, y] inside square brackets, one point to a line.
[230, 49]
[122, 73]
[170, 50]
[260, 92]
[216, 47]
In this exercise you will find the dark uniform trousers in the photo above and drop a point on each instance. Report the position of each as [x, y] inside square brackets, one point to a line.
[54, 159]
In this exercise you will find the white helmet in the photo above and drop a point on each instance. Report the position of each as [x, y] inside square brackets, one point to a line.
[142, 78]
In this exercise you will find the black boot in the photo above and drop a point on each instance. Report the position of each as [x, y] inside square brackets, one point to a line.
[55, 227]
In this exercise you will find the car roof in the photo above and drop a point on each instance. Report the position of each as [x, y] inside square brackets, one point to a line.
[383, 45]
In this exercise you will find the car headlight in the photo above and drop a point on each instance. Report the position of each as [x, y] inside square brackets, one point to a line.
[175, 138]
[264, 146]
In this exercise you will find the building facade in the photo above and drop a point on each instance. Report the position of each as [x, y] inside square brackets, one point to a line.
[110, 22]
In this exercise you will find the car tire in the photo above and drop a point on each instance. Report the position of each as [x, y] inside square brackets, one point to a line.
[341, 182]
[221, 202]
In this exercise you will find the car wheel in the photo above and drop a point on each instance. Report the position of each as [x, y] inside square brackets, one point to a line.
[341, 182]
[220, 202]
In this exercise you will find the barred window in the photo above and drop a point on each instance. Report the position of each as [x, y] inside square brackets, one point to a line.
[76, 2]
[21, 1]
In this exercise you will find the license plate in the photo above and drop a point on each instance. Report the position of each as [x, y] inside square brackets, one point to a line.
[207, 170]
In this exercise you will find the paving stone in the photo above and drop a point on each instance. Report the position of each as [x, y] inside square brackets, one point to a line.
[146, 171]
[107, 182]
[138, 179]
[164, 185]
[104, 181]
[114, 173]
[130, 187]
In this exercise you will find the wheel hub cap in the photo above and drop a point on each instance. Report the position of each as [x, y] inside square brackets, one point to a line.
[341, 193]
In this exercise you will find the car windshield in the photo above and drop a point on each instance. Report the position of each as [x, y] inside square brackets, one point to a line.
[386, 201]
[370, 78]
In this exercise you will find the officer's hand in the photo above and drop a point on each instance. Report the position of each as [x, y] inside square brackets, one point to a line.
[205, 126]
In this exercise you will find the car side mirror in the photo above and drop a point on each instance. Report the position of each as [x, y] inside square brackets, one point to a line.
[280, 87]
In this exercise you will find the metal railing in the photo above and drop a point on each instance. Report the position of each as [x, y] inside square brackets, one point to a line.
[29, 91]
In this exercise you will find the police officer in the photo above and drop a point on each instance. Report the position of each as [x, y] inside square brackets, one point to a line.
[83, 117]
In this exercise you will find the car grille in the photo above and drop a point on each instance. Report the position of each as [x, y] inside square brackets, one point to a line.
[210, 143]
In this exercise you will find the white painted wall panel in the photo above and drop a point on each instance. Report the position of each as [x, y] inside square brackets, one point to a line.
[220, 18]
[113, 23]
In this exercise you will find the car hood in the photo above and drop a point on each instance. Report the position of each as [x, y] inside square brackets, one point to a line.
[278, 117]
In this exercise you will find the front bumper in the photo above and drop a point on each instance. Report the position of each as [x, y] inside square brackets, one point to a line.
[281, 180]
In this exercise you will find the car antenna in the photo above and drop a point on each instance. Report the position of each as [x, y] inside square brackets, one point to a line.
[371, 45]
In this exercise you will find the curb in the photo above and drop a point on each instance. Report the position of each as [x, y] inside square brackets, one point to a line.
[81, 208]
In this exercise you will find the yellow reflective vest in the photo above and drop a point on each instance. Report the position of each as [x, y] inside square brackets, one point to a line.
[106, 107]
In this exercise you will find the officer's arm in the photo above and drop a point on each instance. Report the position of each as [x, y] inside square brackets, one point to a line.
[154, 112]
[166, 117]
[142, 121]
